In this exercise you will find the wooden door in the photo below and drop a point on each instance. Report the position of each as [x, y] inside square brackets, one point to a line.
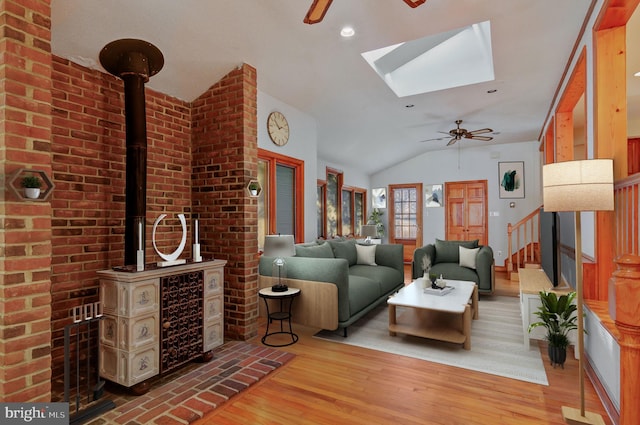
[466, 211]
[405, 217]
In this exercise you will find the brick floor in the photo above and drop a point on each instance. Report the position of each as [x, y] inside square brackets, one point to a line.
[197, 388]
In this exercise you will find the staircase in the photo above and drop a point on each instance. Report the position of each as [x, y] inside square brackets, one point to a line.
[523, 244]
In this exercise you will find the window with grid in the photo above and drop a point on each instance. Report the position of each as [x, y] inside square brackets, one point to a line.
[405, 207]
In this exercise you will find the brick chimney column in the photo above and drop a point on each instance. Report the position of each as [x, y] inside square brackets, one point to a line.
[25, 240]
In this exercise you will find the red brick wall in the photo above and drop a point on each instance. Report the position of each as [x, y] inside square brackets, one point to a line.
[69, 122]
[88, 203]
[25, 240]
[225, 154]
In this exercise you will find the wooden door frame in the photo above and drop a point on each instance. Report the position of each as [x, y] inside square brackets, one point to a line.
[486, 205]
[419, 211]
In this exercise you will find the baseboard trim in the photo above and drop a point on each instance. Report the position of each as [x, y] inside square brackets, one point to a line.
[608, 405]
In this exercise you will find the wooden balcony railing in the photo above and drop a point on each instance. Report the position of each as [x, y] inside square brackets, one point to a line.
[527, 239]
[627, 205]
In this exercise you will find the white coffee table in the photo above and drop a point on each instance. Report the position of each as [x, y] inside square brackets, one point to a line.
[441, 317]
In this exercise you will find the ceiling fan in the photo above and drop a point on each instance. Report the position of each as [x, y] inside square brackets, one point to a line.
[319, 8]
[462, 133]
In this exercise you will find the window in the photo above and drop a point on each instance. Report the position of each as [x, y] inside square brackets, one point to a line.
[341, 209]
[334, 182]
[359, 201]
[321, 205]
[347, 213]
[405, 213]
[281, 204]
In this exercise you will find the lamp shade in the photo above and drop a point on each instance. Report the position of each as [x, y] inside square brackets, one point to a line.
[279, 246]
[585, 185]
[369, 230]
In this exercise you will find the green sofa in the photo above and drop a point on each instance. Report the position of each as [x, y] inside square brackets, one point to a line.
[336, 290]
[445, 260]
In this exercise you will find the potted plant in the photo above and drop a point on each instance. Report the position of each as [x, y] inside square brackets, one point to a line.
[376, 218]
[31, 185]
[254, 188]
[557, 315]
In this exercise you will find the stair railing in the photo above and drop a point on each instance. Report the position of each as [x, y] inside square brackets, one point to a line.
[627, 210]
[527, 235]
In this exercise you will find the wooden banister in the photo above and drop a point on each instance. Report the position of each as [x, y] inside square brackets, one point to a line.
[627, 204]
[627, 291]
[527, 234]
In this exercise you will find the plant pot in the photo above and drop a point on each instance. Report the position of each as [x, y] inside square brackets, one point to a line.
[32, 192]
[557, 355]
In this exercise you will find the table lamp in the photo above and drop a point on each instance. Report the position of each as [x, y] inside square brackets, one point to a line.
[279, 246]
[368, 231]
[585, 185]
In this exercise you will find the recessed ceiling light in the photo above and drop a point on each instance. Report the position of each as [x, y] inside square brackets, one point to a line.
[347, 32]
[637, 74]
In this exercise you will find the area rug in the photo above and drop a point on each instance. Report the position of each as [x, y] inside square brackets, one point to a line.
[496, 342]
[190, 393]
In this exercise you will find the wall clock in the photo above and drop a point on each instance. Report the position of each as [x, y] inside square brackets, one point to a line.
[278, 128]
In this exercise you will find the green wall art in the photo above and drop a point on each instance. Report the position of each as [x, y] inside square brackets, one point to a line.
[511, 178]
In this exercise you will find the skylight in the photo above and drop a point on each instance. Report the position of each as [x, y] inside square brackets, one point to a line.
[451, 59]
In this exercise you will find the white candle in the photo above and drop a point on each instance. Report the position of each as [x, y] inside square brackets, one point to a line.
[196, 238]
[140, 235]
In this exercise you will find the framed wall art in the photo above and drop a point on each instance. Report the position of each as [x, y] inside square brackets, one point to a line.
[511, 179]
[379, 196]
[433, 195]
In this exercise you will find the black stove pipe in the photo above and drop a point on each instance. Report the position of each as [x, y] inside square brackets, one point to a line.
[134, 61]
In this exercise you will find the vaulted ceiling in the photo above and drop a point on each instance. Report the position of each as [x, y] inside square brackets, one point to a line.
[361, 122]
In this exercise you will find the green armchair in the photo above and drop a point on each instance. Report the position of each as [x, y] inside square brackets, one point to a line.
[476, 263]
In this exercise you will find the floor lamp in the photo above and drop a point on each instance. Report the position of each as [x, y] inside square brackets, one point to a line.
[579, 186]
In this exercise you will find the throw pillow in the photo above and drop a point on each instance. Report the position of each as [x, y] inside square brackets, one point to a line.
[344, 249]
[366, 254]
[468, 257]
[447, 251]
[315, 251]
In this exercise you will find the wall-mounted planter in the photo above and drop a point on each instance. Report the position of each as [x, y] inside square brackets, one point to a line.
[30, 193]
[254, 188]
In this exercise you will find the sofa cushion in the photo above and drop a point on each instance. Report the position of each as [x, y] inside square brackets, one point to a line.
[366, 255]
[468, 257]
[315, 251]
[345, 249]
[387, 278]
[362, 292]
[455, 272]
[448, 252]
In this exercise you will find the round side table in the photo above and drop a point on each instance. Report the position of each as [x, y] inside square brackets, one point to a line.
[283, 314]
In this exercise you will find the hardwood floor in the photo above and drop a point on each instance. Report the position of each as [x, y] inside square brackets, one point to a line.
[330, 383]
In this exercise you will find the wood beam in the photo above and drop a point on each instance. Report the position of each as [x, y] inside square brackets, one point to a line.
[317, 11]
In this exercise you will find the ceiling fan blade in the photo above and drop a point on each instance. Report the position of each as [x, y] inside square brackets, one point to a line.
[431, 140]
[414, 3]
[452, 141]
[481, 131]
[317, 11]
[483, 138]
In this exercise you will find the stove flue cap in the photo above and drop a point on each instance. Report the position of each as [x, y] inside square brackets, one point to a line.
[131, 56]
